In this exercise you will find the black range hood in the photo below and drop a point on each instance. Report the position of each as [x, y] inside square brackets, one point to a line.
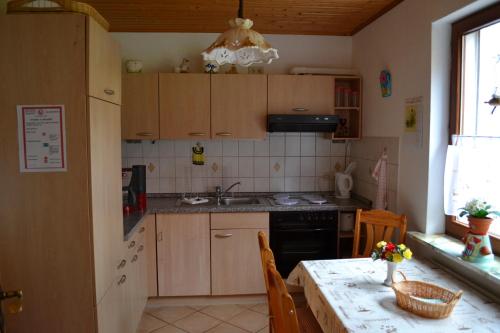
[301, 123]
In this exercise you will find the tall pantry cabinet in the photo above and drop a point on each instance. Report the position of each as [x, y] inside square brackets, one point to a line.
[61, 233]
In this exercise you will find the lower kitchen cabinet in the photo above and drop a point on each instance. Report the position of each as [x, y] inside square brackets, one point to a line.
[235, 256]
[150, 244]
[183, 254]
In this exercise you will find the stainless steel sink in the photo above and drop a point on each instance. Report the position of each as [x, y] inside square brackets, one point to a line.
[240, 201]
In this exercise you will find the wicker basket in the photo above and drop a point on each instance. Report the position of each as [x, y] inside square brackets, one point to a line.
[408, 291]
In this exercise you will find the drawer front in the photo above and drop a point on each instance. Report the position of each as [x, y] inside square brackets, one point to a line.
[239, 220]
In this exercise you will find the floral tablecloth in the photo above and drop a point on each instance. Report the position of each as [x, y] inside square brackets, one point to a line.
[347, 295]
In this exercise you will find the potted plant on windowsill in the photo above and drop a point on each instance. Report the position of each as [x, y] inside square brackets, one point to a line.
[477, 212]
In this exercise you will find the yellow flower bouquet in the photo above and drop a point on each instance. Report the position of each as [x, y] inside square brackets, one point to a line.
[391, 252]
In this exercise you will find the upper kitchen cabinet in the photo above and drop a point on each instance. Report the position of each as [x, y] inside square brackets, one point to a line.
[239, 106]
[301, 94]
[104, 64]
[140, 113]
[348, 107]
[184, 106]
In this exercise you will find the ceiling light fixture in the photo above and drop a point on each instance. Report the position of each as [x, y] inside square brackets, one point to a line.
[240, 45]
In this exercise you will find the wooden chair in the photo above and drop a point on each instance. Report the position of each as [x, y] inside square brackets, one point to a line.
[287, 318]
[380, 225]
[266, 255]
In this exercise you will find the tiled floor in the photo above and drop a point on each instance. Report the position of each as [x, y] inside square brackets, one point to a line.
[228, 318]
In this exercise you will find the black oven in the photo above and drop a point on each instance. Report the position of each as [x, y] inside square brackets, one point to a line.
[303, 235]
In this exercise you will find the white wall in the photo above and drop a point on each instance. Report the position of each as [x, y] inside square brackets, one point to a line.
[163, 51]
[412, 41]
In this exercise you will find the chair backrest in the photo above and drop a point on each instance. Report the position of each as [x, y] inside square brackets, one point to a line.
[380, 225]
[281, 303]
[266, 254]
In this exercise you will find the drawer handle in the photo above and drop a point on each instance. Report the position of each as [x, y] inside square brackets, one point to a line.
[140, 248]
[223, 235]
[122, 279]
[122, 264]
[224, 134]
[131, 245]
[144, 134]
[142, 230]
[134, 259]
[109, 91]
[197, 134]
[300, 109]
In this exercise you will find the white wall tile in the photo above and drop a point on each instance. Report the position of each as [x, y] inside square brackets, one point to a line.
[124, 162]
[277, 184]
[292, 134]
[229, 148]
[212, 183]
[292, 145]
[337, 148]
[124, 148]
[307, 145]
[134, 161]
[167, 168]
[307, 134]
[277, 166]
[227, 182]
[323, 166]
[183, 167]
[166, 148]
[277, 134]
[245, 166]
[292, 184]
[214, 167]
[134, 149]
[307, 184]
[324, 183]
[261, 147]
[213, 147]
[245, 148]
[261, 167]
[246, 185]
[153, 185]
[322, 146]
[229, 167]
[292, 166]
[199, 171]
[152, 167]
[182, 185]
[199, 185]
[277, 146]
[261, 184]
[337, 164]
[307, 166]
[150, 149]
[183, 148]
[167, 185]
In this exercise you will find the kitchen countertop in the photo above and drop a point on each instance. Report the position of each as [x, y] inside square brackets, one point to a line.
[171, 204]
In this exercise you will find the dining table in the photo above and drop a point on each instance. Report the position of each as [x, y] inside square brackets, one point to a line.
[347, 295]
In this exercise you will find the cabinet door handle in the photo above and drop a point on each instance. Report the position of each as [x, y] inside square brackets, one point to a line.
[109, 91]
[131, 245]
[159, 237]
[144, 134]
[122, 279]
[300, 109]
[142, 230]
[134, 258]
[122, 264]
[197, 134]
[224, 134]
[223, 235]
[140, 248]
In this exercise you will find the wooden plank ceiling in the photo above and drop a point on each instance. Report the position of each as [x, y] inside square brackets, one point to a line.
[301, 17]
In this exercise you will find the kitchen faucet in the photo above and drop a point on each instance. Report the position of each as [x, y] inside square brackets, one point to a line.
[219, 193]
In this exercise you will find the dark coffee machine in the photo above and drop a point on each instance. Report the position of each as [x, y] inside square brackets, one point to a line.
[137, 188]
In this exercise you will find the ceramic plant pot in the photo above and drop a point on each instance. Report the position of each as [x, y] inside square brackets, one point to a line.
[479, 226]
[391, 267]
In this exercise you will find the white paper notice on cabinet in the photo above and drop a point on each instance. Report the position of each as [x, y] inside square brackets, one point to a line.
[42, 138]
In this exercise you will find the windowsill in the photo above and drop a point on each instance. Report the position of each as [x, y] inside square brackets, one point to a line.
[447, 251]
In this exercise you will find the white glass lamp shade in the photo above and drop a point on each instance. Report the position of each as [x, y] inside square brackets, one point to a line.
[240, 45]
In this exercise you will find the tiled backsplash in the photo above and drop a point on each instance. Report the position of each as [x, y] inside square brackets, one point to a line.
[366, 153]
[281, 162]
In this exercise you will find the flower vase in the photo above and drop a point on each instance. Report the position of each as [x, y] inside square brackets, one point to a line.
[391, 267]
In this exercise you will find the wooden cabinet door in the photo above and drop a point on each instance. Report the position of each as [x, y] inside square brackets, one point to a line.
[184, 106]
[150, 253]
[140, 114]
[113, 311]
[290, 94]
[239, 106]
[105, 172]
[183, 248]
[236, 265]
[104, 64]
